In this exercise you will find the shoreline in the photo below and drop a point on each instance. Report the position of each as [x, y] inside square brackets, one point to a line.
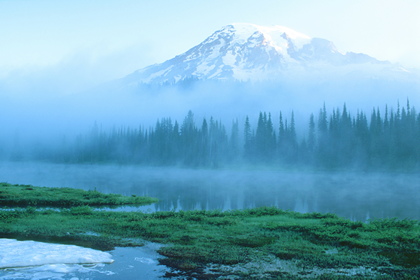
[235, 243]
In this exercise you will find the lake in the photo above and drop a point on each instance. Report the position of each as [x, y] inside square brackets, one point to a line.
[354, 195]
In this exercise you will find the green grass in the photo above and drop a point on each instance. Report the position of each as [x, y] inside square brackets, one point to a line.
[27, 195]
[195, 239]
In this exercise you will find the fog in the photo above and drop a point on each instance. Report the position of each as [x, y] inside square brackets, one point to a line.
[47, 116]
[357, 196]
[38, 108]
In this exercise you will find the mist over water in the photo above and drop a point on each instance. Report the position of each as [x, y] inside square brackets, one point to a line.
[34, 121]
[66, 122]
[45, 116]
[357, 196]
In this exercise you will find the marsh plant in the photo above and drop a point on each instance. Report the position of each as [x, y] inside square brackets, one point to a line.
[195, 239]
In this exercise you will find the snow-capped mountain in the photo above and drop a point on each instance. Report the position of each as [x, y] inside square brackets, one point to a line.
[248, 52]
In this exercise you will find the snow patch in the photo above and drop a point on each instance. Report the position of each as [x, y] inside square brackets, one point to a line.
[250, 52]
[229, 59]
[273, 34]
[204, 69]
[158, 74]
[15, 253]
[55, 272]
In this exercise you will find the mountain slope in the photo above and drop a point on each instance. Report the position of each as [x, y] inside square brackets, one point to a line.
[248, 52]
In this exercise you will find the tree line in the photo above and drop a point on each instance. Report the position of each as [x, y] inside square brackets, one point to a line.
[381, 140]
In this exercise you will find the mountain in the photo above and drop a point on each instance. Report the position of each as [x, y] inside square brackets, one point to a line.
[248, 52]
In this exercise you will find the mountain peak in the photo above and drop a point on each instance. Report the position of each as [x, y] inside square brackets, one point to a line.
[272, 32]
[277, 37]
[244, 51]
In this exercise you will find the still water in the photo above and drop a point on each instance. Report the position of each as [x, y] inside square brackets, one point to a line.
[358, 196]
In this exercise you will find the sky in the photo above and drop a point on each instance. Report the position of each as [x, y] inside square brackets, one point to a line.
[76, 44]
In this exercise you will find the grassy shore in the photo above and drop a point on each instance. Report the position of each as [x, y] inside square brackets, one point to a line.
[257, 243]
[27, 195]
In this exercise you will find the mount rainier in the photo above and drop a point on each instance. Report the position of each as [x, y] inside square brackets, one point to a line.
[248, 52]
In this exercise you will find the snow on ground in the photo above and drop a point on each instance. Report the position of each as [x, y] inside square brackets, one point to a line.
[15, 253]
[30, 260]
[57, 272]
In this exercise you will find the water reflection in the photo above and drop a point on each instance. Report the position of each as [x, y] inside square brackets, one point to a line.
[353, 195]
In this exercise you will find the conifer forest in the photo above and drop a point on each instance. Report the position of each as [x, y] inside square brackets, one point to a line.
[385, 139]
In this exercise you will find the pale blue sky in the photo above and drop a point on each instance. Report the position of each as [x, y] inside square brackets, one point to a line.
[107, 39]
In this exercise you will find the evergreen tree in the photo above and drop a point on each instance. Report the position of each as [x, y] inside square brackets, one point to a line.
[188, 140]
[311, 143]
[248, 140]
[234, 149]
[342, 142]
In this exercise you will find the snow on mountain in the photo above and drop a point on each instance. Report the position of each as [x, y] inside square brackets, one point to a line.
[248, 52]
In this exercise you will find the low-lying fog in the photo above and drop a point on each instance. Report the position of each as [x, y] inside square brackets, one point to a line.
[358, 196]
[37, 119]
[44, 116]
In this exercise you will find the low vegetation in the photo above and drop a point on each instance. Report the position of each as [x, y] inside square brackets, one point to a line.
[27, 195]
[255, 243]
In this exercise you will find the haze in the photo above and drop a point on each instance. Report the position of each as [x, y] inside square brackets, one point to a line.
[67, 46]
[61, 100]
